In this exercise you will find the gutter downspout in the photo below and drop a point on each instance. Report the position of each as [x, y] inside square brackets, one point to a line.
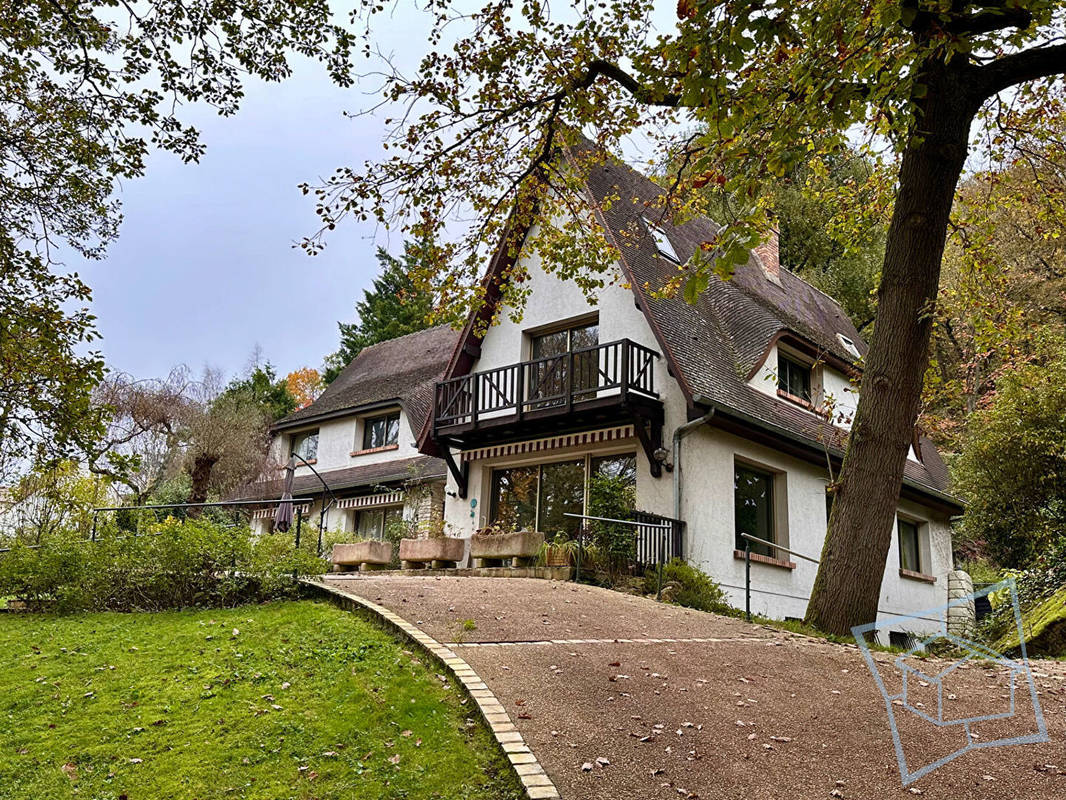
[679, 433]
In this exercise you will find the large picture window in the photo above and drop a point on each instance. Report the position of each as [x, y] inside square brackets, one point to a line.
[371, 523]
[753, 499]
[909, 550]
[539, 497]
[381, 431]
[305, 445]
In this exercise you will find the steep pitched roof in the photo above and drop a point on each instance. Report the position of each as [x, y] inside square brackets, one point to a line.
[715, 344]
[402, 369]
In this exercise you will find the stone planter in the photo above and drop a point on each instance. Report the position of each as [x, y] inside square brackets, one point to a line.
[518, 548]
[440, 552]
[364, 555]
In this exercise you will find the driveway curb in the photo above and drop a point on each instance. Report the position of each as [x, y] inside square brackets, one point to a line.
[535, 781]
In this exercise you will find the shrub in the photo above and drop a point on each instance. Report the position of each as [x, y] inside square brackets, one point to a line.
[1035, 585]
[172, 564]
[1012, 469]
[687, 586]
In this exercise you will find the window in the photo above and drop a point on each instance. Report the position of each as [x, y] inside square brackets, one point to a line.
[753, 500]
[909, 551]
[305, 445]
[662, 241]
[372, 523]
[539, 497]
[381, 431]
[548, 374]
[793, 377]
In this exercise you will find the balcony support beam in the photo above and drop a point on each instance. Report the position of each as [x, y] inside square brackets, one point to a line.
[650, 435]
[460, 472]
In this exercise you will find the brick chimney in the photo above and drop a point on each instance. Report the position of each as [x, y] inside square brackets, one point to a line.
[770, 258]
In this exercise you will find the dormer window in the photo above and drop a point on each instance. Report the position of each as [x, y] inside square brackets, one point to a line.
[849, 345]
[305, 445]
[381, 431]
[662, 241]
[793, 378]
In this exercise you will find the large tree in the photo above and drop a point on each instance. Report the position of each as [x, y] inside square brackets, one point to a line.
[87, 89]
[479, 123]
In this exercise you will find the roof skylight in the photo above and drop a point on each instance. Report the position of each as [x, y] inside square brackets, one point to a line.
[662, 242]
[849, 345]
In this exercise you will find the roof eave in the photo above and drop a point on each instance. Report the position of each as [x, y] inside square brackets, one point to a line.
[288, 424]
[910, 489]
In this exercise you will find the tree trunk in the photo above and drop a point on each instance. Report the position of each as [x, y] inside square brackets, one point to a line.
[201, 480]
[848, 584]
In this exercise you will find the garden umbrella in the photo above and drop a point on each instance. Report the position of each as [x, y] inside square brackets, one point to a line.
[283, 514]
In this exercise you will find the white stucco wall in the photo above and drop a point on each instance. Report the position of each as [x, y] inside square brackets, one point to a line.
[708, 458]
[339, 438]
[778, 592]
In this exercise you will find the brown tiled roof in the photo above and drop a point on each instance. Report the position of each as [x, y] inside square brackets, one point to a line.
[714, 345]
[402, 369]
[367, 475]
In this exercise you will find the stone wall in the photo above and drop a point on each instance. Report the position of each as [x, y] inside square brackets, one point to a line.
[962, 616]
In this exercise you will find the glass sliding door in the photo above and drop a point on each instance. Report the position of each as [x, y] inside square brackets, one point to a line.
[562, 491]
[514, 498]
[538, 497]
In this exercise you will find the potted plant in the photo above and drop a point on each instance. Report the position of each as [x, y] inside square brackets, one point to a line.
[434, 548]
[498, 543]
[559, 551]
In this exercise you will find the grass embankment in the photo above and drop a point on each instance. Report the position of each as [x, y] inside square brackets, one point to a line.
[283, 700]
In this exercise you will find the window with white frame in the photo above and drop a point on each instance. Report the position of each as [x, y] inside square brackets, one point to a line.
[381, 431]
[910, 544]
[753, 508]
[373, 523]
[305, 445]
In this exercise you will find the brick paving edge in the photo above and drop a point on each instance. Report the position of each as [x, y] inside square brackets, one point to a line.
[524, 764]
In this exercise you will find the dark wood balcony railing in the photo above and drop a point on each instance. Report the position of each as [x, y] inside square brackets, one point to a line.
[615, 370]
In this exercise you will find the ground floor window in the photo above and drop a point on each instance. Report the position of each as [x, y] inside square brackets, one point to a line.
[753, 500]
[372, 523]
[538, 497]
[909, 551]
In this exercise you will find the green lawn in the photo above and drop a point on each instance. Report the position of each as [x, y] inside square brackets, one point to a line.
[285, 700]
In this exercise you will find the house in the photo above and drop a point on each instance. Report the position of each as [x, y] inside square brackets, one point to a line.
[360, 436]
[711, 413]
[709, 418]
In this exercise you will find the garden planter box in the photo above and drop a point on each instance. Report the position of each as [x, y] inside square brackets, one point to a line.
[444, 551]
[516, 547]
[365, 555]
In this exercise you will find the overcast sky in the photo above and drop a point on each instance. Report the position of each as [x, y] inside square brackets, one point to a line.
[204, 269]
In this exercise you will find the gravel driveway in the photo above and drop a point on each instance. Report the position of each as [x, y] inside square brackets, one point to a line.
[624, 698]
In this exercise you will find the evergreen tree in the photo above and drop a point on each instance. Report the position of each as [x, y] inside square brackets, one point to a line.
[395, 305]
[264, 388]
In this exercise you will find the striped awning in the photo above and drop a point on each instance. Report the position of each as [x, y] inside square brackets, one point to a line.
[372, 500]
[550, 443]
[268, 513]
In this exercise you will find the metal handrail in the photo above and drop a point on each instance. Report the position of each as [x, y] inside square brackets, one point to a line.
[663, 526]
[748, 539]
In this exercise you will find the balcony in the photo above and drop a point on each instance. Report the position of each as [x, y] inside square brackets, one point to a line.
[607, 384]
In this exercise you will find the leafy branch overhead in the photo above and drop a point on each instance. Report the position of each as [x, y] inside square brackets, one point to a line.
[475, 128]
[87, 90]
